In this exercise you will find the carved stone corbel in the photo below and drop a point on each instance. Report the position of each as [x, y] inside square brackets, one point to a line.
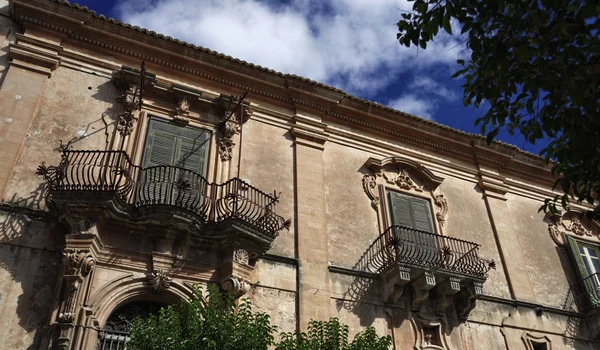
[81, 225]
[421, 289]
[467, 298]
[394, 283]
[445, 294]
[159, 280]
[235, 285]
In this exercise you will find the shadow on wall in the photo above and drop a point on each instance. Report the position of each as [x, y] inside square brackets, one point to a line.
[29, 268]
[30, 242]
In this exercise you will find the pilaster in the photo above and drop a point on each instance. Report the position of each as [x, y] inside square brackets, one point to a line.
[511, 253]
[311, 232]
[32, 63]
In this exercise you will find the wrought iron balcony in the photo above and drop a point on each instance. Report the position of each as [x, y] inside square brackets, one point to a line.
[586, 293]
[429, 262]
[411, 247]
[112, 175]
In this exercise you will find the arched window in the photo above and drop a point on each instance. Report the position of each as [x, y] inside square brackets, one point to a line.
[118, 326]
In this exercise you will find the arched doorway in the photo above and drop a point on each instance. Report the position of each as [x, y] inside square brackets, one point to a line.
[118, 325]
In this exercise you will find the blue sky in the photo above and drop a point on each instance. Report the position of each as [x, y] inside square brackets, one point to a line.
[349, 44]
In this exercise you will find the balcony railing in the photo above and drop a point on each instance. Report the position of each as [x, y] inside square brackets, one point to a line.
[113, 173]
[422, 249]
[586, 293]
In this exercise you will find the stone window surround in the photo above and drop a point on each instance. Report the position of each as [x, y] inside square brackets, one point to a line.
[530, 339]
[407, 177]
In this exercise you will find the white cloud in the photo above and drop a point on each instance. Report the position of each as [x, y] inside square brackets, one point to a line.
[350, 44]
[412, 104]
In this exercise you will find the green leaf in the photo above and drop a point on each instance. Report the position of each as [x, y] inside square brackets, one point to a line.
[446, 24]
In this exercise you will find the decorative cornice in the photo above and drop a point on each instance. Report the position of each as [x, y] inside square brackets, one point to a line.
[263, 82]
[430, 178]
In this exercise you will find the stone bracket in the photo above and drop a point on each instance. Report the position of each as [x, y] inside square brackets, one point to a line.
[393, 285]
[467, 298]
[446, 292]
[421, 288]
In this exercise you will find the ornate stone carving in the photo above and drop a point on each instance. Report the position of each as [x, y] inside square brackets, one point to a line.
[159, 280]
[402, 180]
[182, 112]
[77, 263]
[235, 285]
[241, 256]
[556, 234]
[442, 203]
[225, 142]
[577, 228]
[370, 186]
[66, 317]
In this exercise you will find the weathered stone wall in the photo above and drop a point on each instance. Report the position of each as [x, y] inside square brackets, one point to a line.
[75, 107]
[29, 270]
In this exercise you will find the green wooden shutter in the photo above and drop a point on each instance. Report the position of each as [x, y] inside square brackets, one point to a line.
[421, 214]
[160, 149]
[576, 256]
[410, 212]
[192, 154]
[400, 209]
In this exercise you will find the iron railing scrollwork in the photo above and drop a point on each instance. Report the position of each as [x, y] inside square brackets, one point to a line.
[399, 244]
[586, 292]
[113, 173]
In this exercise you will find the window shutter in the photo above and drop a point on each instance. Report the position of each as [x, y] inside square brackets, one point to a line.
[576, 256]
[400, 209]
[160, 149]
[192, 154]
[421, 214]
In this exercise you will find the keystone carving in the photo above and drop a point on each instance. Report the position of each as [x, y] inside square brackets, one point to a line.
[182, 112]
[159, 280]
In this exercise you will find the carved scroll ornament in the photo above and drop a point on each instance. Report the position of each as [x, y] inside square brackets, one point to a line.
[406, 175]
[570, 223]
[225, 142]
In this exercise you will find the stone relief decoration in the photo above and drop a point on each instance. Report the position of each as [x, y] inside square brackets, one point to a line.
[78, 264]
[182, 112]
[574, 223]
[241, 256]
[429, 333]
[235, 285]
[159, 280]
[225, 141]
[406, 175]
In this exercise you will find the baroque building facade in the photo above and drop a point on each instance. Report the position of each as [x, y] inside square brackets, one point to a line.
[124, 183]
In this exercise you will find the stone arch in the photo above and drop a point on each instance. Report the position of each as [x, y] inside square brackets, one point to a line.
[126, 289]
[118, 292]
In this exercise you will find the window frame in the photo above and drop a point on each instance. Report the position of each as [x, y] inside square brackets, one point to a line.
[386, 212]
[581, 270]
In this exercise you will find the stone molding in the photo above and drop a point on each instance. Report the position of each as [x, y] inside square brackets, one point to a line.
[529, 339]
[430, 333]
[571, 223]
[406, 175]
[286, 88]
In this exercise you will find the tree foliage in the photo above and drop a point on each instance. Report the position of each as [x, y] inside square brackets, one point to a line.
[537, 65]
[332, 335]
[214, 321]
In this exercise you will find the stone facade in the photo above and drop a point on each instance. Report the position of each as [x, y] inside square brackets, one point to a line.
[82, 235]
